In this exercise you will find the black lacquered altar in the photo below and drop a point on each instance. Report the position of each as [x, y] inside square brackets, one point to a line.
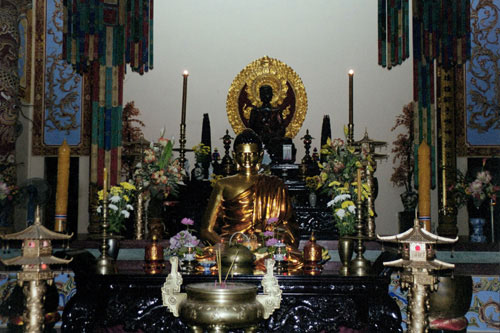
[131, 302]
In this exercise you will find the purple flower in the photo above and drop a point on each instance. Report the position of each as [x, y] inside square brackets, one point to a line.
[271, 242]
[272, 220]
[187, 221]
[268, 233]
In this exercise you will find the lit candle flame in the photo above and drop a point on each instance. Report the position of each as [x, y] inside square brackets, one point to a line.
[351, 72]
[185, 73]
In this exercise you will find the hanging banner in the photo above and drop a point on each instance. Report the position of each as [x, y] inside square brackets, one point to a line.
[61, 95]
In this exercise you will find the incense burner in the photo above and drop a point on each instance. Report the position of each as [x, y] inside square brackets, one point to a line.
[220, 308]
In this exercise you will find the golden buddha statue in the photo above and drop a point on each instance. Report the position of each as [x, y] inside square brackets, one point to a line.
[245, 202]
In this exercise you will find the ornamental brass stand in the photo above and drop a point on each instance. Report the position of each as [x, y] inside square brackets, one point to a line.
[367, 146]
[447, 154]
[139, 214]
[182, 146]
[34, 293]
[350, 134]
[360, 266]
[105, 264]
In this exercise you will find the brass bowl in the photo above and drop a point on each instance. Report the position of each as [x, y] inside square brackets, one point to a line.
[209, 306]
[452, 297]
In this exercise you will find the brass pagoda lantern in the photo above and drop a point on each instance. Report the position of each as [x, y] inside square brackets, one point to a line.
[35, 260]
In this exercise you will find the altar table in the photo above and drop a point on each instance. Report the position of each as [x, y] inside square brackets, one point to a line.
[131, 302]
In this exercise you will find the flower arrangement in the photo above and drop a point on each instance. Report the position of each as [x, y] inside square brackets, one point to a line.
[201, 153]
[183, 240]
[338, 181]
[477, 189]
[270, 237]
[119, 200]
[160, 173]
[8, 193]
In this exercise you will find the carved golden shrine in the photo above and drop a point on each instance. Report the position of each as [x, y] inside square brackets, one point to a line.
[35, 260]
[419, 263]
[289, 94]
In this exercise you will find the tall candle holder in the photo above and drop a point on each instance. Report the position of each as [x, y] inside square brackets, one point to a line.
[182, 146]
[105, 264]
[360, 266]
[350, 134]
[368, 146]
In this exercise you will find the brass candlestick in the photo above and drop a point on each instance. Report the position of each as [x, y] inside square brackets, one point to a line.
[359, 266]
[350, 134]
[105, 264]
[182, 146]
[370, 202]
[139, 214]
[367, 147]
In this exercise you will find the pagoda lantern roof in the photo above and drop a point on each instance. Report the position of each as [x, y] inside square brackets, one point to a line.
[373, 143]
[37, 231]
[434, 264]
[417, 234]
[23, 260]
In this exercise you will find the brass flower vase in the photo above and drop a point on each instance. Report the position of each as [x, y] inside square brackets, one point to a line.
[451, 300]
[346, 250]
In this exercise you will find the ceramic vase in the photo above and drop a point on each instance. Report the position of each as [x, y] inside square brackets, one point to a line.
[477, 224]
[346, 250]
[313, 198]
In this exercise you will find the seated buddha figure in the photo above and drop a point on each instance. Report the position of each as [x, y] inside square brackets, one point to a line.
[269, 125]
[265, 120]
[245, 202]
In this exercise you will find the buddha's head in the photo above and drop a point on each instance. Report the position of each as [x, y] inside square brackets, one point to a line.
[266, 94]
[247, 151]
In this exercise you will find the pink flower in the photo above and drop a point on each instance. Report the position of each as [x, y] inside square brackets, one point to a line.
[476, 187]
[271, 242]
[163, 141]
[338, 166]
[337, 143]
[187, 221]
[272, 220]
[268, 233]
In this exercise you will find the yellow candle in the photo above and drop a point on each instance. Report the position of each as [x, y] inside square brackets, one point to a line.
[62, 187]
[351, 97]
[359, 184]
[424, 185]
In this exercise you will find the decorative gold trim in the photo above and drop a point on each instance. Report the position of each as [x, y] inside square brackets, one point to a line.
[278, 75]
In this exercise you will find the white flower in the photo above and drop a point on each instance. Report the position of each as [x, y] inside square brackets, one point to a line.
[341, 197]
[330, 203]
[125, 213]
[115, 199]
[484, 176]
[340, 213]
[352, 209]
[113, 207]
[99, 209]
[130, 207]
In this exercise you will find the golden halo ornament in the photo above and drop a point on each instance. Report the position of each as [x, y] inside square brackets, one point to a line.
[289, 94]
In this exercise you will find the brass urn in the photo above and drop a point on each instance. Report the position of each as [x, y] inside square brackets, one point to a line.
[219, 308]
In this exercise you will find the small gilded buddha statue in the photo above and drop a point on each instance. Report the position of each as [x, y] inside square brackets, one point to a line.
[247, 201]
